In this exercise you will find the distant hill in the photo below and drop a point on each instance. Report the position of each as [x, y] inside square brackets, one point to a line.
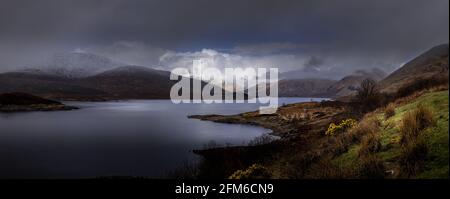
[327, 87]
[307, 83]
[431, 64]
[348, 85]
[308, 73]
[305, 87]
[47, 85]
[132, 82]
[125, 82]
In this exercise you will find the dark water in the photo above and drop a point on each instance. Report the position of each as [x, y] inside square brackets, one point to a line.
[127, 138]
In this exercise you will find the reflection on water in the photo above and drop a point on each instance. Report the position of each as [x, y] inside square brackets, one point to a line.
[126, 138]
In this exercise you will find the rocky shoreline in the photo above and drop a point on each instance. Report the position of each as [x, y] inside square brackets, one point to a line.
[295, 124]
[309, 116]
[299, 126]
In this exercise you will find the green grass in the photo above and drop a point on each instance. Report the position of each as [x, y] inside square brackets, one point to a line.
[348, 159]
[437, 137]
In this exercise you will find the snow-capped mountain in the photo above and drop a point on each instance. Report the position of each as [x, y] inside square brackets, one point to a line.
[77, 64]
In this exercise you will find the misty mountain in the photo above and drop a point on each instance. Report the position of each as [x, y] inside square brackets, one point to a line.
[125, 82]
[47, 85]
[312, 72]
[431, 64]
[131, 82]
[137, 82]
[327, 87]
[349, 84]
[305, 87]
[77, 64]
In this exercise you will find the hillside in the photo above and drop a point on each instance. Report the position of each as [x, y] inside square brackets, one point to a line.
[326, 140]
[434, 160]
[431, 64]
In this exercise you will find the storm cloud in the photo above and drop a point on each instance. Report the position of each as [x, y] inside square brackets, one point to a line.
[345, 35]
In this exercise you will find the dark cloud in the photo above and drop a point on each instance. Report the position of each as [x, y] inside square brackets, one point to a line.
[313, 64]
[346, 33]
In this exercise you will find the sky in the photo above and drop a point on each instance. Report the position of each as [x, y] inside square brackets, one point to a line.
[326, 36]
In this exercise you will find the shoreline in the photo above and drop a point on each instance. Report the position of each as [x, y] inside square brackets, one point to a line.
[296, 125]
[319, 114]
[35, 107]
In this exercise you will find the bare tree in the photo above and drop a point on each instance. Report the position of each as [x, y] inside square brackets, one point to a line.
[366, 90]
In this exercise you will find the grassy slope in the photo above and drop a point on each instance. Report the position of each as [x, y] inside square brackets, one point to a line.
[437, 163]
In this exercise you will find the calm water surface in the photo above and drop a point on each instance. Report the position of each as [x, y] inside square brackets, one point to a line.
[125, 138]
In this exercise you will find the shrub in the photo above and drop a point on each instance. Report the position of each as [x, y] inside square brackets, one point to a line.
[340, 144]
[415, 121]
[341, 127]
[370, 144]
[414, 148]
[364, 127]
[412, 157]
[371, 167]
[389, 111]
[252, 172]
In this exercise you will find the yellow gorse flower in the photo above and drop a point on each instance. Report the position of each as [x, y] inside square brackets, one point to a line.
[248, 173]
[343, 126]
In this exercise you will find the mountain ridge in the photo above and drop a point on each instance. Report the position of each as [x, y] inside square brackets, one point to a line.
[431, 64]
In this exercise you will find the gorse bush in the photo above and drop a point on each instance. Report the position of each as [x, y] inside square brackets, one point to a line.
[364, 127]
[252, 172]
[341, 127]
[354, 135]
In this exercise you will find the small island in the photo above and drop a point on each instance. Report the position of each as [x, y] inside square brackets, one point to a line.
[22, 102]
